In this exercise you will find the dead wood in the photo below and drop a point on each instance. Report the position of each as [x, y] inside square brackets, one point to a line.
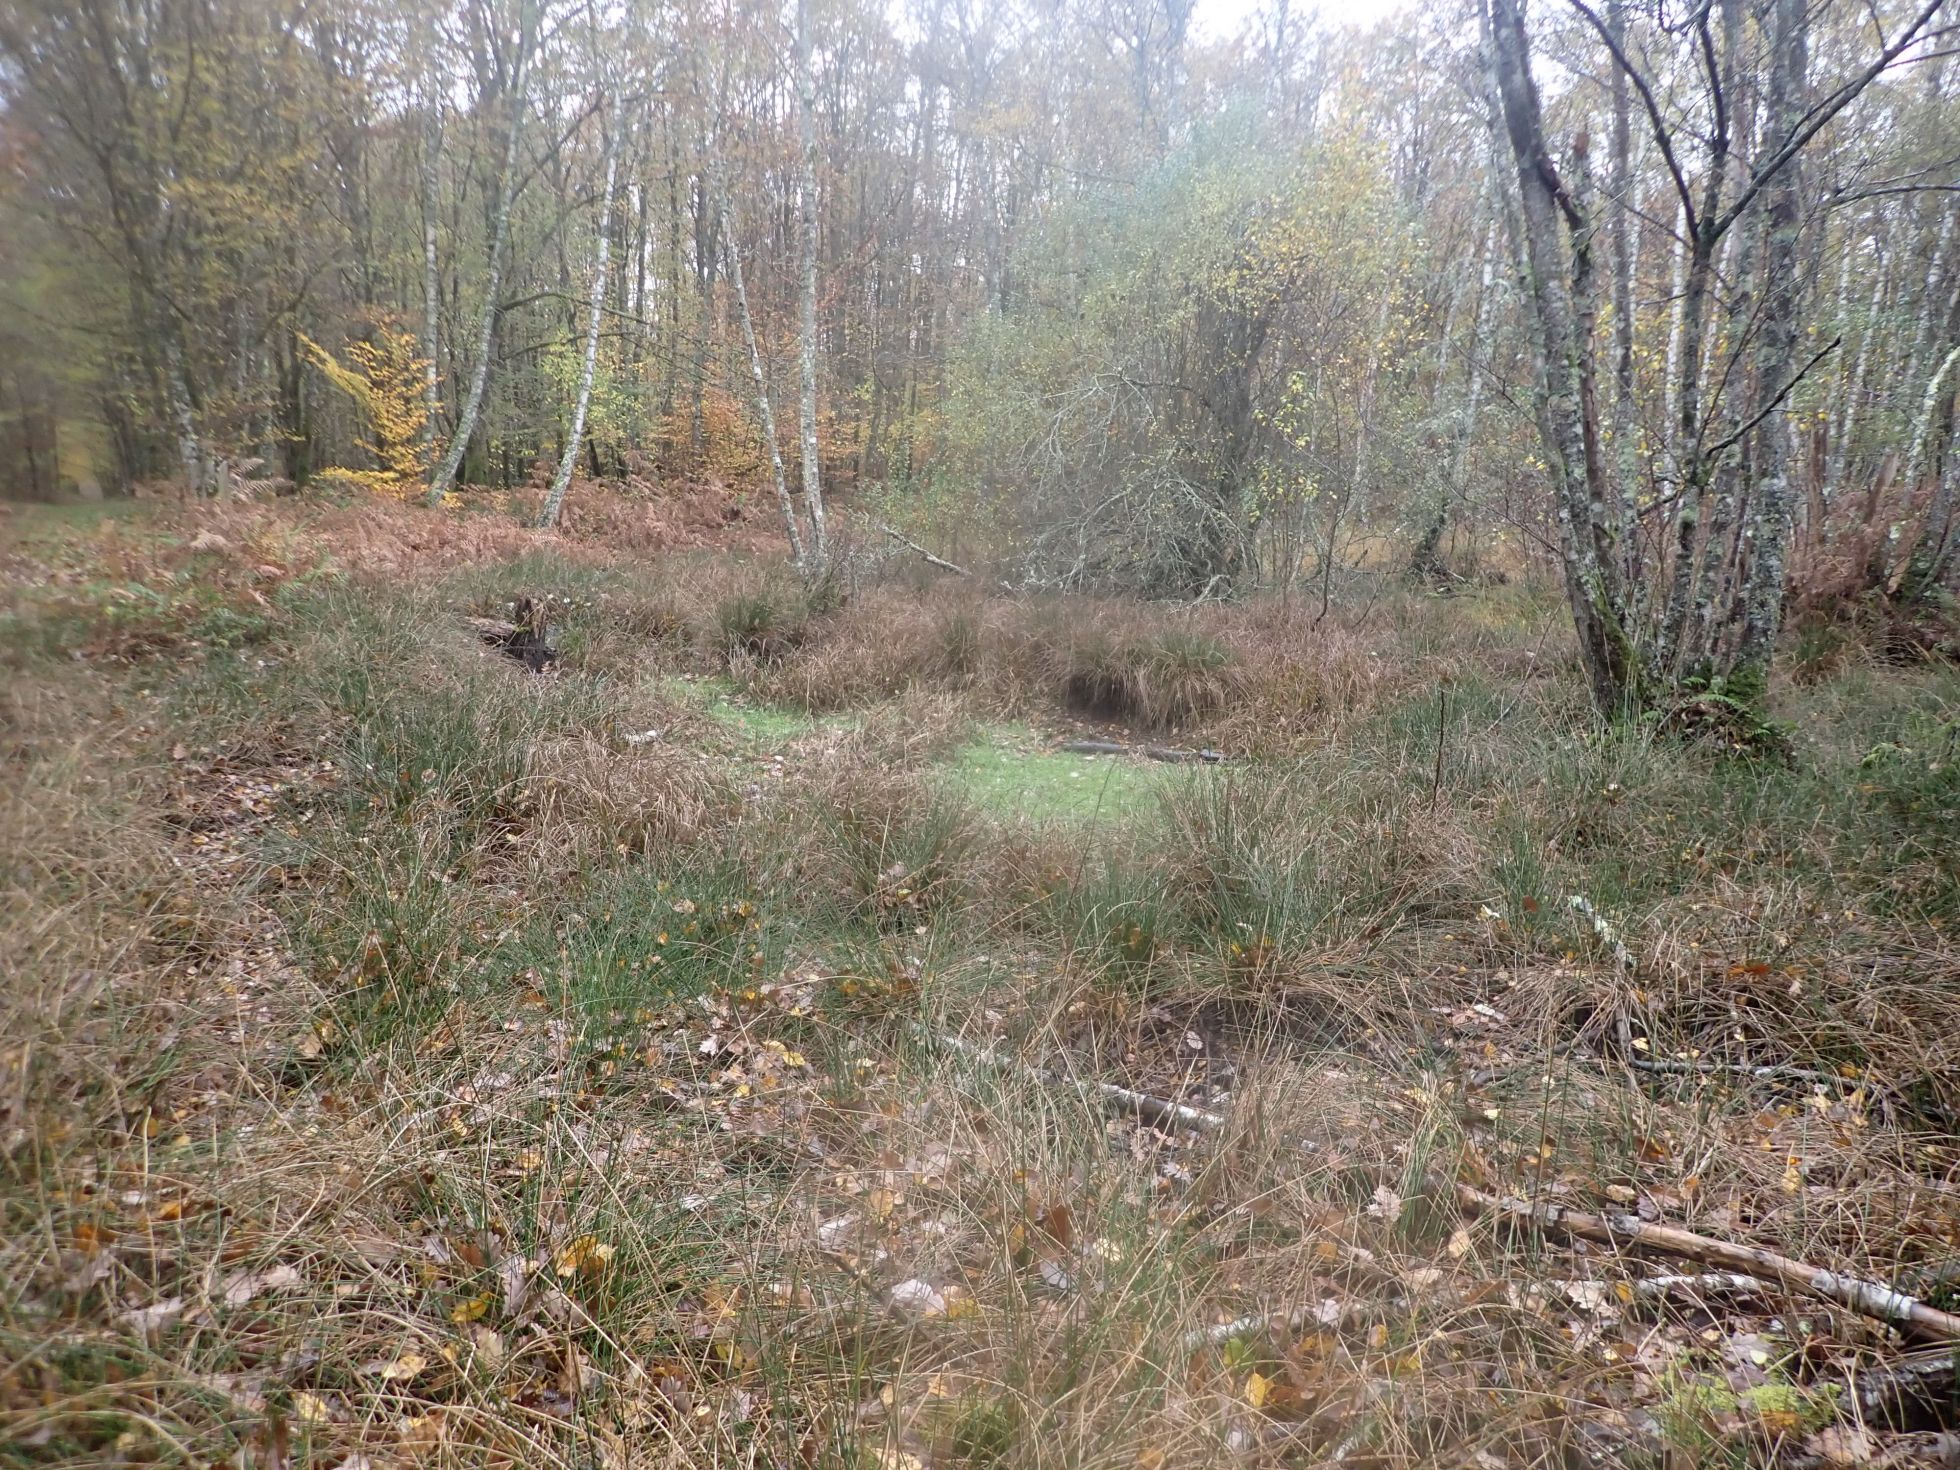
[931, 560]
[1629, 1232]
[528, 639]
[1168, 753]
[1867, 1298]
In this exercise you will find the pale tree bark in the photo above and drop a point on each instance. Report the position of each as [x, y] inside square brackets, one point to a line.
[444, 478]
[1677, 296]
[1715, 585]
[1843, 440]
[818, 552]
[765, 411]
[1771, 514]
[200, 470]
[1428, 560]
[1934, 409]
[1939, 536]
[1561, 311]
[1706, 226]
[431, 275]
[1621, 230]
[595, 312]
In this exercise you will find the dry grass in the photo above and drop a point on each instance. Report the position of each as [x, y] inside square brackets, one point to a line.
[407, 1067]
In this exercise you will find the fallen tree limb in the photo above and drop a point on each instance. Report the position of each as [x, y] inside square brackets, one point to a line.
[1867, 1298]
[1764, 1073]
[1169, 753]
[931, 560]
[1701, 1283]
[1155, 1110]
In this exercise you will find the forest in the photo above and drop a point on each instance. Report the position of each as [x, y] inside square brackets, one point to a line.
[979, 734]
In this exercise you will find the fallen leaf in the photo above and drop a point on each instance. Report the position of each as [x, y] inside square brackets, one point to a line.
[919, 1298]
[310, 1408]
[489, 1345]
[151, 1320]
[1844, 1445]
[1258, 1388]
[585, 1256]
[472, 1309]
[396, 1370]
[242, 1286]
[1059, 1222]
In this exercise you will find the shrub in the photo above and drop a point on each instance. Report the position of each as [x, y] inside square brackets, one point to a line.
[762, 623]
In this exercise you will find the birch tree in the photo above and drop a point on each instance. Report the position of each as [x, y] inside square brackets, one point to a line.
[1734, 599]
[444, 478]
[595, 311]
[816, 556]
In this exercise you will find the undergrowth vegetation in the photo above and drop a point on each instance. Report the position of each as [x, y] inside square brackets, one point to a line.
[413, 1059]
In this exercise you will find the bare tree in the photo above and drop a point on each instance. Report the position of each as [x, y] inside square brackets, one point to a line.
[444, 478]
[817, 554]
[1633, 660]
[561, 481]
[765, 410]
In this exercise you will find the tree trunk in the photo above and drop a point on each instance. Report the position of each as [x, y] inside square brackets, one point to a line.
[1771, 514]
[1427, 560]
[444, 479]
[200, 473]
[561, 481]
[1562, 318]
[1625, 446]
[431, 275]
[806, 104]
[765, 412]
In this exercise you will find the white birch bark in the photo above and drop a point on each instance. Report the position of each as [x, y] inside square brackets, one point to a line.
[1562, 314]
[444, 478]
[431, 275]
[595, 312]
[1677, 305]
[1772, 512]
[200, 473]
[806, 107]
[765, 411]
[1854, 387]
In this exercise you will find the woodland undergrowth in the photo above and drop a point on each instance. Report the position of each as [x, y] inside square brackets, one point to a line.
[412, 1059]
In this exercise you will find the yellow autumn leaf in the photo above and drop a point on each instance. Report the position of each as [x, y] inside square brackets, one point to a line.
[585, 1256]
[399, 1370]
[1258, 1388]
[310, 1408]
[471, 1309]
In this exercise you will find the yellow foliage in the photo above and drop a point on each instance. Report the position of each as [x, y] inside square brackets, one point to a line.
[384, 377]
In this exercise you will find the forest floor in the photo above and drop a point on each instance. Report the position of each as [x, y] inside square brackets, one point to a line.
[691, 1054]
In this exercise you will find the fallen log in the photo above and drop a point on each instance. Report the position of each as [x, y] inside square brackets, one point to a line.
[1918, 1392]
[1154, 1110]
[1168, 753]
[528, 639]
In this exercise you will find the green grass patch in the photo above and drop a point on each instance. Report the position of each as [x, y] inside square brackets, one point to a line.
[1008, 776]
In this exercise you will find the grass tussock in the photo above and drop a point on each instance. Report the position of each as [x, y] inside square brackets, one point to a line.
[416, 1060]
